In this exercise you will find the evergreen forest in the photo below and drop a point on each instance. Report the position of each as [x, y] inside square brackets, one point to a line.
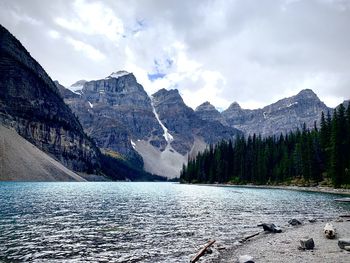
[308, 157]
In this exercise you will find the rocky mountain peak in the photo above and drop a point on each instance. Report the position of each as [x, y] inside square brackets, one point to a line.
[208, 112]
[233, 111]
[307, 93]
[234, 106]
[205, 106]
[77, 85]
[171, 96]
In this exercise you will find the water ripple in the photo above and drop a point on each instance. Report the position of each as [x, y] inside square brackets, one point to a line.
[138, 222]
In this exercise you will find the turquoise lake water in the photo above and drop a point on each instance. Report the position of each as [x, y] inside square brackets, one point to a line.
[139, 222]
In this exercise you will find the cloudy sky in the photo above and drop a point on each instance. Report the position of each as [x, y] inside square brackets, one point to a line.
[250, 51]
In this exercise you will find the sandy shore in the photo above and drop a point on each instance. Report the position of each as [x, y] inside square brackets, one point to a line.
[283, 247]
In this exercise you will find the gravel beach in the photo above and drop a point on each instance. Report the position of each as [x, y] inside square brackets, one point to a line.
[283, 247]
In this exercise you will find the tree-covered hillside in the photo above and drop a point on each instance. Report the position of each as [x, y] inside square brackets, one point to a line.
[305, 157]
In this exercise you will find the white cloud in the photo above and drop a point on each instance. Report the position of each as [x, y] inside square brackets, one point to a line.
[93, 19]
[88, 50]
[23, 18]
[54, 34]
[216, 50]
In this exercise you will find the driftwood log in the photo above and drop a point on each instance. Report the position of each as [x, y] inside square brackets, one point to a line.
[249, 237]
[202, 251]
[329, 231]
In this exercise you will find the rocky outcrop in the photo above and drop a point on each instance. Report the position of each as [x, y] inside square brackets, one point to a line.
[281, 117]
[30, 103]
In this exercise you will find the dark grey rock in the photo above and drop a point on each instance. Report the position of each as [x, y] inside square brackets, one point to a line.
[307, 243]
[343, 242]
[294, 222]
[271, 228]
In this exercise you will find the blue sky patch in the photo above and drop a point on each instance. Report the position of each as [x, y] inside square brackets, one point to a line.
[155, 76]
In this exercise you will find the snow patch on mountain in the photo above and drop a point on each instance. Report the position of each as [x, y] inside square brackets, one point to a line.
[118, 74]
[77, 86]
[133, 144]
[292, 104]
[167, 136]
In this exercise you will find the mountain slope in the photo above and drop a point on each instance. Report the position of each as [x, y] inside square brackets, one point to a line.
[30, 103]
[22, 161]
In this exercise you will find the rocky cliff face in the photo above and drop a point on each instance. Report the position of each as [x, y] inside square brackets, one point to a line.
[281, 117]
[157, 132]
[116, 112]
[30, 103]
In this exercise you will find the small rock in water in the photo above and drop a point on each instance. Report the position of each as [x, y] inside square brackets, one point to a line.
[294, 222]
[307, 243]
[342, 243]
[271, 228]
[245, 259]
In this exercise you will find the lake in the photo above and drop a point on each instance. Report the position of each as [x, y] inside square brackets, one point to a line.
[139, 222]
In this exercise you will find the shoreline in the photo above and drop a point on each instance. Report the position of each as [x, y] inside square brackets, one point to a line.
[283, 247]
[316, 189]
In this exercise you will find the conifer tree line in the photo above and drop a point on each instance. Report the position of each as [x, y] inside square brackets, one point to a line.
[304, 156]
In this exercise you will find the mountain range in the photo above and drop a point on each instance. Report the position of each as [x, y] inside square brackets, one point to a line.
[160, 132]
[112, 127]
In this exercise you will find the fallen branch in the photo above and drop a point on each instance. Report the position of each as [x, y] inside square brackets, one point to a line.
[249, 237]
[202, 251]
